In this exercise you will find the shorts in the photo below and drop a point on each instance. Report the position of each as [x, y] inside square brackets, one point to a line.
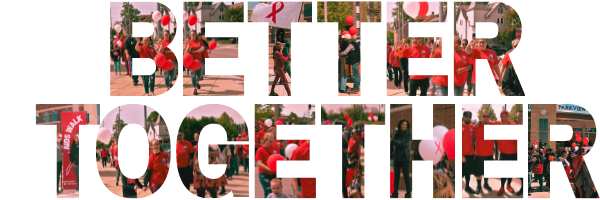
[468, 167]
[479, 164]
[508, 156]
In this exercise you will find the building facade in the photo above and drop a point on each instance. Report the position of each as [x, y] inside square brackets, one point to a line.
[541, 116]
[50, 114]
[467, 15]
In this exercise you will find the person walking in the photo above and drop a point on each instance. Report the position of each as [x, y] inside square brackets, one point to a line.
[265, 175]
[344, 68]
[146, 51]
[116, 58]
[162, 48]
[158, 167]
[116, 159]
[417, 50]
[203, 184]
[185, 151]
[74, 157]
[400, 148]
[285, 52]
[353, 52]
[195, 46]
[278, 68]
[59, 160]
[130, 51]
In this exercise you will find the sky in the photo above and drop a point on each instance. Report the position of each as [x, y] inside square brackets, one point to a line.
[336, 107]
[475, 107]
[145, 8]
[130, 114]
[215, 110]
[300, 109]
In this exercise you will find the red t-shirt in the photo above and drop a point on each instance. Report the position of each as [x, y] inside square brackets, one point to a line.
[170, 56]
[439, 79]
[309, 185]
[195, 46]
[353, 145]
[389, 50]
[461, 59]
[103, 152]
[158, 165]
[183, 153]
[483, 147]
[420, 51]
[260, 135]
[300, 142]
[489, 55]
[147, 52]
[116, 157]
[507, 146]
[263, 154]
[467, 140]
[506, 61]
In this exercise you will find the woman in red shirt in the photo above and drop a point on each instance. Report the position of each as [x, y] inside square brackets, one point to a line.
[203, 184]
[162, 48]
[196, 47]
[158, 167]
[265, 175]
[146, 51]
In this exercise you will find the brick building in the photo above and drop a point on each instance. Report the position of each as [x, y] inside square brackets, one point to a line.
[541, 116]
[50, 114]
[443, 114]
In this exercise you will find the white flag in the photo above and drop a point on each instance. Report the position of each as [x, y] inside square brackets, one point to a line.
[278, 14]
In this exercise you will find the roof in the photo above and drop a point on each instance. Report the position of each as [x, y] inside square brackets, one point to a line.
[237, 5]
[494, 6]
[216, 6]
[461, 9]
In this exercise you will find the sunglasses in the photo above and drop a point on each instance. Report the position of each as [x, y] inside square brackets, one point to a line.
[464, 44]
[520, 116]
[485, 116]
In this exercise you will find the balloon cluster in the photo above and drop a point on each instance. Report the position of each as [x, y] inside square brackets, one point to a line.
[443, 141]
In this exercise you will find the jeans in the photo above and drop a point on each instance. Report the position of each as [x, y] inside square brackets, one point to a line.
[265, 181]
[148, 81]
[117, 65]
[441, 90]
[170, 75]
[58, 172]
[459, 90]
[103, 162]
[402, 166]
[414, 84]
[235, 166]
[133, 77]
[389, 71]
[342, 83]
[469, 84]
[118, 174]
[397, 77]
[197, 75]
[246, 164]
[540, 178]
[474, 90]
[356, 75]
[76, 171]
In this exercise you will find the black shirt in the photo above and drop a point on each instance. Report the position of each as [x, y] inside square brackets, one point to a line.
[130, 46]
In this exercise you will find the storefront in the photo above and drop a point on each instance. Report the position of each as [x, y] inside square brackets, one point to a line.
[541, 116]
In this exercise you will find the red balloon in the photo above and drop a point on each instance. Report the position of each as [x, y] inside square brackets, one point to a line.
[272, 161]
[212, 45]
[160, 59]
[535, 142]
[349, 20]
[244, 134]
[280, 119]
[192, 19]
[165, 20]
[449, 144]
[345, 32]
[196, 65]
[371, 114]
[349, 123]
[188, 59]
[239, 139]
[573, 144]
[353, 30]
[278, 123]
[577, 134]
[260, 123]
[346, 115]
[168, 65]
[350, 120]
[578, 139]
[586, 141]
[423, 8]
[327, 122]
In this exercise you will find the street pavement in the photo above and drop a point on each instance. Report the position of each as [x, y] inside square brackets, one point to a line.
[495, 185]
[535, 185]
[239, 185]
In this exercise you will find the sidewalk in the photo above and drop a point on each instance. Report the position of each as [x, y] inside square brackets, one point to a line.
[535, 185]
[215, 85]
[238, 185]
[495, 185]
[122, 85]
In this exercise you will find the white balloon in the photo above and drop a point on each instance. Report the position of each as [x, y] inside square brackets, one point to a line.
[439, 131]
[118, 28]
[185, 15]
[289, 150]
[412, 8]
[535, 146]
[104, 135]
[576, 148]
[375, 118]
[156, 16]
[431, 150]
[433, 7]
[369, 118]
[268, 122]
[118, 43]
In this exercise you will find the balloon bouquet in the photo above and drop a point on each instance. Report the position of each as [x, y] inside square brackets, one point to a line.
[443, 142]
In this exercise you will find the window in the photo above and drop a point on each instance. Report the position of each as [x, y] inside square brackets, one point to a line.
[500, 10]
[46, 117]
[497, 21]
[502, 20]
[461, 22]
[221, 9]
[369, 18]
[543, 131]
[53, 116]
[357, 17]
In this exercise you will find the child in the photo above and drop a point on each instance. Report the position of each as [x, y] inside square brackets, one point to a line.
[355, 187]
[116, 58]
[276, 188]
[129, 187]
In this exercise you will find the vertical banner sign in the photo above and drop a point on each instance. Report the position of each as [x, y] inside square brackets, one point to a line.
[70, 122]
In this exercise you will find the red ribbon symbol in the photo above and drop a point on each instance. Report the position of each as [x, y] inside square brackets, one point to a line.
[275, 11]
[437, 143]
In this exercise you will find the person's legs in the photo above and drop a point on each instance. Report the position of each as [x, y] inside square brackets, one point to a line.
[76, 171]
[469, 84]
[236, 165]
[397, 171]
[246, 164]
[424, 85]
[474, 90]
[151, 81]
[413, 88]
[58, 172]
[344, 188]
[406, 80]
[459, 90]
[406, 174]
[168, 77]
[397, 78]
[274, 82]
[133, 77]
[265, 182]
[116, 66]
[529, 181]
[285, 82]
[441, 90]
[213, 193]
[201, 192]
[390, 77]
[356, 75]
[118, 174]
[145, 80]
[343, 83]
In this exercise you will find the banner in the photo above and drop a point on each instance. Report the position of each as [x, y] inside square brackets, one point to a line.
[279, 14]
[70, 122]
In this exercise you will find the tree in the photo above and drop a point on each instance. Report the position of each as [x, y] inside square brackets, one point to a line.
[234, 14]
[264, 111]
[489, 108]
[129, 14]
[336, 12]
[152, 117]
[312, 115]
[293, 117]
[117, 127]
[513, 21]
[396, 16]
[323, 113]
[514, 110]
[390, 36]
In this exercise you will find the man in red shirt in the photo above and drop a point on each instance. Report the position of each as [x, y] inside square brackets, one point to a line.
[468, 158]
[484, 150]
[478, 50]
[309, 185]
[460, 67]
[508, 151]
[417, 50]
[185, 151]
[104, 157]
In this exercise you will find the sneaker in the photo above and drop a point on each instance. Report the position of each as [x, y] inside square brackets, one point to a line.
[117, 183]
[222, 192]
[119, 73]
[510, 189]
[195, 92]
[274, 94]
[469, 190]
[478, 191]
[341, 91]
[487, 187]
[501, 191]
[115, 73]
[520, 192]
[197, 85]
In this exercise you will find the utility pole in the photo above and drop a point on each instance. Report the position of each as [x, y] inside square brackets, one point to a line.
[325, 10]
[145, 120]
[276, 111]
[440, 13]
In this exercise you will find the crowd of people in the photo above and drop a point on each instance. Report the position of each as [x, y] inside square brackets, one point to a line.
[349, 63]
[73, 157]
[267, 145]
[352, 167]
[476, 150]
[282, 64]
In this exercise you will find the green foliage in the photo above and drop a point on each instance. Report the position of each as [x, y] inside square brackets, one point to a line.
[323, 113]
[489, 108]
[512, 21]
[190, 125]
[390, 36]
[152, 117]
[513, 112]
[262, 112]
[293, 117]
[117, 127]
[130, 12]
[234, 14]
[336, 12]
